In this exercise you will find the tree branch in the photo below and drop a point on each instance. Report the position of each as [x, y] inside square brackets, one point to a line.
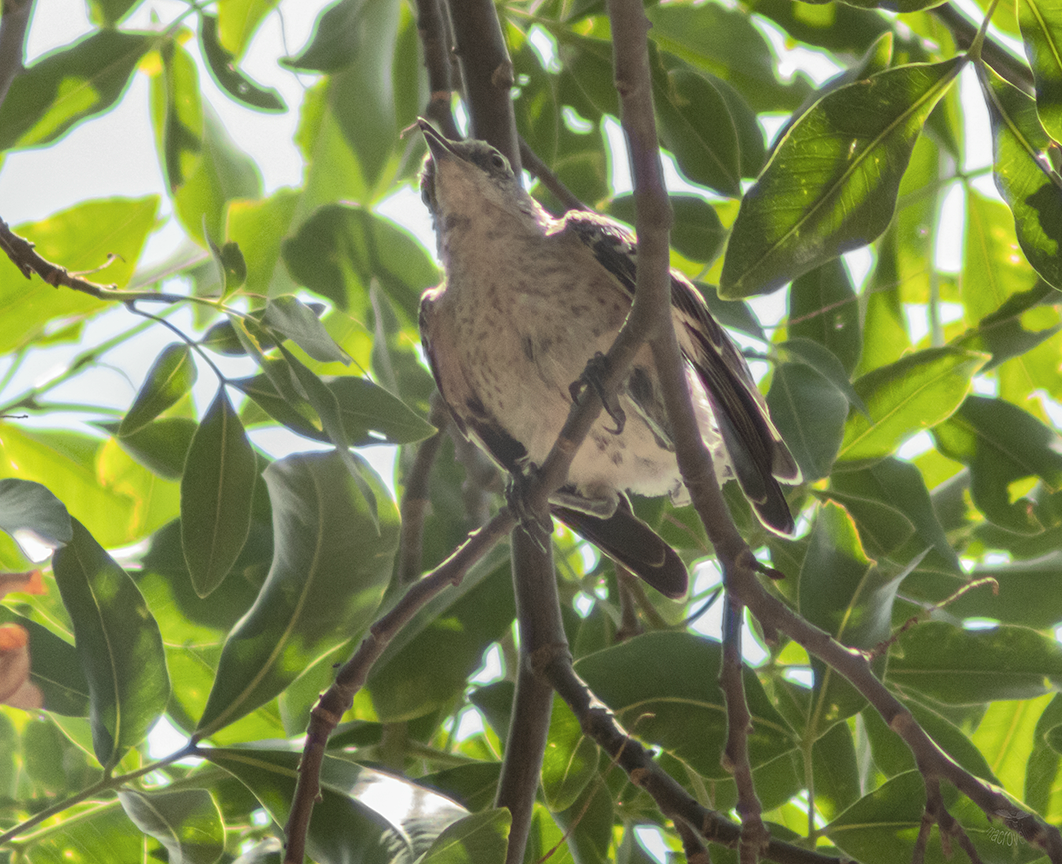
[435, 41]
[488, 75]
[336, 701]
[415, 498]
[541, 634]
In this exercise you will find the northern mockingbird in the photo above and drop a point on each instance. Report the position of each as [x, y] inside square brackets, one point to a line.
[527, 302]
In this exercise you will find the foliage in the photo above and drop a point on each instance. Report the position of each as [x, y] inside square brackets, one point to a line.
[191, 577]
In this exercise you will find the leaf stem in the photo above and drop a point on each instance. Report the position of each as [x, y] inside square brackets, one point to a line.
[105, 785]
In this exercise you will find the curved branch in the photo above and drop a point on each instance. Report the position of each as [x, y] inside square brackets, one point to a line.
[488, 75]
[336, 701]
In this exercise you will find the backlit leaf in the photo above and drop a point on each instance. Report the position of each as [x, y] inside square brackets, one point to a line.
[216, 489]
[29, 512]
[363, 814]
[118, 643]
[69, 85]
[1041, 30]
[330, 567]
[1024, 176]
[221, 63]
[831, 184]
[914, 393]
[171, 376]
[185, 821]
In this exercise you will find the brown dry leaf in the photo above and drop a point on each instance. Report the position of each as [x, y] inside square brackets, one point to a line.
[26, 583]
[15, 687]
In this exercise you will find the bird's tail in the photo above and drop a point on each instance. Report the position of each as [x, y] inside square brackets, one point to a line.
[627, 539]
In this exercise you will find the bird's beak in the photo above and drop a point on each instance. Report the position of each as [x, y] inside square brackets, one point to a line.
[438, 145]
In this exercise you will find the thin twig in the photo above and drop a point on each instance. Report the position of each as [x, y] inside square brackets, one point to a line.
[754, 835]
[547, 178]
[434, 40]
[415, 497]
[336, 701]
[674, 802]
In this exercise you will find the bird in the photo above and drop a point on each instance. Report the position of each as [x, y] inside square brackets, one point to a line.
[527, 301]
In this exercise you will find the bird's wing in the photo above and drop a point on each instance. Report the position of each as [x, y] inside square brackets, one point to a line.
[755, 448]
[622, 536]
[467, 409]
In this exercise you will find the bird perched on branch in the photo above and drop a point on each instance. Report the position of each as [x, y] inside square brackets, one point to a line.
[527, 302]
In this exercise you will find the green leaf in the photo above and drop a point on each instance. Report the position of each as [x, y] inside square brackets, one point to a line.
[900, 487]
[67, 464]
[340, 249]
[1042, 772]
[335, 38]
[185, 821]
[221, 63]
[170, 377]
[238, 20]
[823, 308]
[1023, 592]
[993, 269]
[961, 667]
[161, 446]
[695, 124]
[892, 756]
[810, 414]
[326, 405]
[29, 512]
[678, 704]
[354, 39]
[216, 487]
[258, 227]
[80, 238]
[69, 85]
[1041, 30]
[882, 827]
[294, 319]
[725, 42]
[370, 414]
[232, 269]
[459, 624]
[570, 761]
[1005, 737]
[177, 114]
[1001, 443]
[831, 183]
[101, 834]
[362, 815]
[851, 598]
[330, 568]
[110, 12]
[204, 168]
[480, 838]
[916, 392]
[118, 643]
[1024, 177]
[883, 528]
[826, 363]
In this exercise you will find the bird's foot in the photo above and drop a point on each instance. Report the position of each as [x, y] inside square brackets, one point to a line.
[517, 497]
[594, 376]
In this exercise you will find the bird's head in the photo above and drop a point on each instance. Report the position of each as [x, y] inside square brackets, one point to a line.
[466, 179]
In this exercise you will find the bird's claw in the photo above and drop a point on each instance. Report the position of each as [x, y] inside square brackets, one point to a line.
[594, 376]
[517, 492]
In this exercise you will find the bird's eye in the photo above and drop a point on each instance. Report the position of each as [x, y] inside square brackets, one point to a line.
[498, 161]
